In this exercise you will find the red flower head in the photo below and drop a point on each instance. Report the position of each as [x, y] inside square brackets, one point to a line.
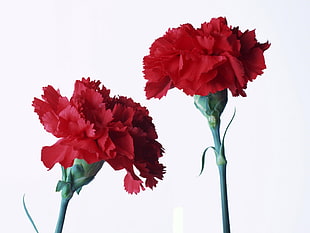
[204, 60]
[95, 127]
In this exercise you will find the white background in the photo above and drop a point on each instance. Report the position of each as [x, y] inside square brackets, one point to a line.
[46, 42]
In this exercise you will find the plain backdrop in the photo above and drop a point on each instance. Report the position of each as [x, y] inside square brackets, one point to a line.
[55, 42]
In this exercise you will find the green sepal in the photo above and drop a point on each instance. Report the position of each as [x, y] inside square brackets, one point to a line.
[62, 185]
[77, 170]
[75, 177]
[79, 183]
[65, 188]
[78, 190]
[211, 105]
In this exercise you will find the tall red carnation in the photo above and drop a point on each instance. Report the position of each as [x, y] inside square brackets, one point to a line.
[201, 61]
[94, 127]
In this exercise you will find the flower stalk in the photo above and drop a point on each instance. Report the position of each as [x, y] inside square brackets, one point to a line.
[221, 164]
[73, 179]
[212, 106]
[62, 214]
[224, 200]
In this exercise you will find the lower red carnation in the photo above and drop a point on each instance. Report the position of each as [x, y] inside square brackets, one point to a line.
[94, 127]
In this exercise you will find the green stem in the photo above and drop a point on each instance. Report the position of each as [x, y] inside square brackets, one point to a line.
[216, 137]
[62, 214]
[221, 163]
[224, 201]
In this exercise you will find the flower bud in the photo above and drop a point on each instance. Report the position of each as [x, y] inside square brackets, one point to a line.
[75, 177]
[212, 106]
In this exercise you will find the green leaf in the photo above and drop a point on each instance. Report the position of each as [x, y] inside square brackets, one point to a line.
[231, 120]
[203, 158]
[28, 215]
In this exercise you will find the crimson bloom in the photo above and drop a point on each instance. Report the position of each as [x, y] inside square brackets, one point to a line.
[202, 61]
[95, 127]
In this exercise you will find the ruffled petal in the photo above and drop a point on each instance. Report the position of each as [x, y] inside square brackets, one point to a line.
[194, 59]
[58, 153]
[95, 127]
[132, 185]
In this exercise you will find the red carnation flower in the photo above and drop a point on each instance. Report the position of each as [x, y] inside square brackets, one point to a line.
[95, 127]
[204, 60]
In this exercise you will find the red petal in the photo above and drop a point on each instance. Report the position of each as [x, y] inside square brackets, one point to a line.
[123, 142]
[159, 88]
[107, 146]
[131, 185]
[58, 153]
